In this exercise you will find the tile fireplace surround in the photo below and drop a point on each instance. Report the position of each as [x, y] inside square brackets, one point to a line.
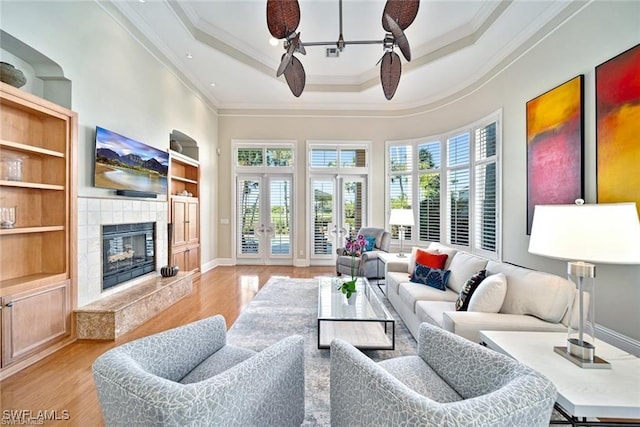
[95, 212]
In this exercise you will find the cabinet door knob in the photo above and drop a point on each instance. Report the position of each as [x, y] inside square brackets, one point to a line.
[9, 304]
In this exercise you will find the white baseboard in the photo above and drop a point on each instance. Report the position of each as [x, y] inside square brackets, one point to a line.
[616, 339]
[301, 262]
[216, 263]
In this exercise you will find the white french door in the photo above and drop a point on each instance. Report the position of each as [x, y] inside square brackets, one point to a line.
[338, 209]
[264, 219]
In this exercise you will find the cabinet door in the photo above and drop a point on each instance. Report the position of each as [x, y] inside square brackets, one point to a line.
[193, 222]
[33, 320]
[180, 258]
[179, 213]
[193, 258]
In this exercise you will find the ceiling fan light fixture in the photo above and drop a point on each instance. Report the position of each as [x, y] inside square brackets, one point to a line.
[283, 18]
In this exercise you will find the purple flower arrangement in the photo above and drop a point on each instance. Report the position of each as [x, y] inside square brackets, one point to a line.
[354, 248]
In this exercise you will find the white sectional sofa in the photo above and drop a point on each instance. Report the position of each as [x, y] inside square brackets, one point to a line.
[532, 300]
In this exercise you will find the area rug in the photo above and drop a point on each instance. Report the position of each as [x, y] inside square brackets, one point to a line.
[285, 307]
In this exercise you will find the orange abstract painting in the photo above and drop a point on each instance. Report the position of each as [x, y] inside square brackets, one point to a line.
[618, 128]
[554, 147]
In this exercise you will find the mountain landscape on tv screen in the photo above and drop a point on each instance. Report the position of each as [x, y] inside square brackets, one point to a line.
[130, 161]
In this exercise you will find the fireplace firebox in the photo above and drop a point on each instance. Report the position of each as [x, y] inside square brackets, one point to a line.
[128, 251]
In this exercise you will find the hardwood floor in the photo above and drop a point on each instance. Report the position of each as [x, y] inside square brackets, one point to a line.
[63, 382]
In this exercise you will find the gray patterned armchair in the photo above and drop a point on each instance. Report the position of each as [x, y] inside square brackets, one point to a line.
[451, 382]
[189, 376]
[369, 264]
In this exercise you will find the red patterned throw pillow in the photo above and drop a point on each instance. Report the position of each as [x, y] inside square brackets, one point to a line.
[431, 259]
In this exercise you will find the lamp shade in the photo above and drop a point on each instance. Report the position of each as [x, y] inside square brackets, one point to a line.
[401, 217]
[602, 233]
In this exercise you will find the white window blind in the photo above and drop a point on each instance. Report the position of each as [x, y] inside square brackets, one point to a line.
[322, 216]
[486, 196]
[458, 185]
[249, 214]
[280, 194]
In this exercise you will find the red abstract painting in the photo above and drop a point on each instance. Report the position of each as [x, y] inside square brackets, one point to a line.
[554, 147]
[618, 128]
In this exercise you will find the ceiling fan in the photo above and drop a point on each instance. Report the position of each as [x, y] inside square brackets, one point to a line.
[283, 18]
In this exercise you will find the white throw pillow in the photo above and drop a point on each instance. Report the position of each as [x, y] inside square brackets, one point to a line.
[489, 295]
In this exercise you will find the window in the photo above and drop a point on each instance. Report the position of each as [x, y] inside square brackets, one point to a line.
[452, 184]
[400, 183]
[334, 157]
[429, 155]
[253, 156]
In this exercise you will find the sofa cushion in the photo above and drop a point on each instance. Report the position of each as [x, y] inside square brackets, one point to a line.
[410, 293]
[533, 292]
[393, 280]
[468, 324]
[413, 372]
[223, 359]
[489, 295]
[468, 289]
[433, 277]
[432, 311]
[431, 259]
[463, 266]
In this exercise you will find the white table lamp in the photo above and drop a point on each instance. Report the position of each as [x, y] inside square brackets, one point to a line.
[401, 218]
[599, 233]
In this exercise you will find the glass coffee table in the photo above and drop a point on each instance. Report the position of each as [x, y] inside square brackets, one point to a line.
[366, 325]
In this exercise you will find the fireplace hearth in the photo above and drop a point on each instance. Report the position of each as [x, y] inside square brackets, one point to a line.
[128, 251]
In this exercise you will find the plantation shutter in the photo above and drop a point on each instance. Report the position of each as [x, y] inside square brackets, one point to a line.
[458, 186]
[486, 206]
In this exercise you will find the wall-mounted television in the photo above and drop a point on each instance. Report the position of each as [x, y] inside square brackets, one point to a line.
[122, 163]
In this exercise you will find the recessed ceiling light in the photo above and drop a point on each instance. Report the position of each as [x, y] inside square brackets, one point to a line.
[189, 56]
[274, 41]
[142, 1]
[212, 84]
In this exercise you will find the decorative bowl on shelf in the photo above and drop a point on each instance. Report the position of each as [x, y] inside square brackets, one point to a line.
[11, 75]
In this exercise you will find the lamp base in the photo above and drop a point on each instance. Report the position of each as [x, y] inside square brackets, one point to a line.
[597, 363]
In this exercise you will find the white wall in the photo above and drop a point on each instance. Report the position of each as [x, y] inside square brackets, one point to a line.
[600, 31]
[119, 85]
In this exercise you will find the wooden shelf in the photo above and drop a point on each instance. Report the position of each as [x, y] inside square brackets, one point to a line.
[36, 185]
[29, 149]
[25, 230]
[187, 180]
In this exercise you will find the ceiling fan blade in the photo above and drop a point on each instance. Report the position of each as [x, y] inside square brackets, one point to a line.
[390, 71]
[295, 76]
[403, 12]
[286, 58]
[283, 17]
[400, 38]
